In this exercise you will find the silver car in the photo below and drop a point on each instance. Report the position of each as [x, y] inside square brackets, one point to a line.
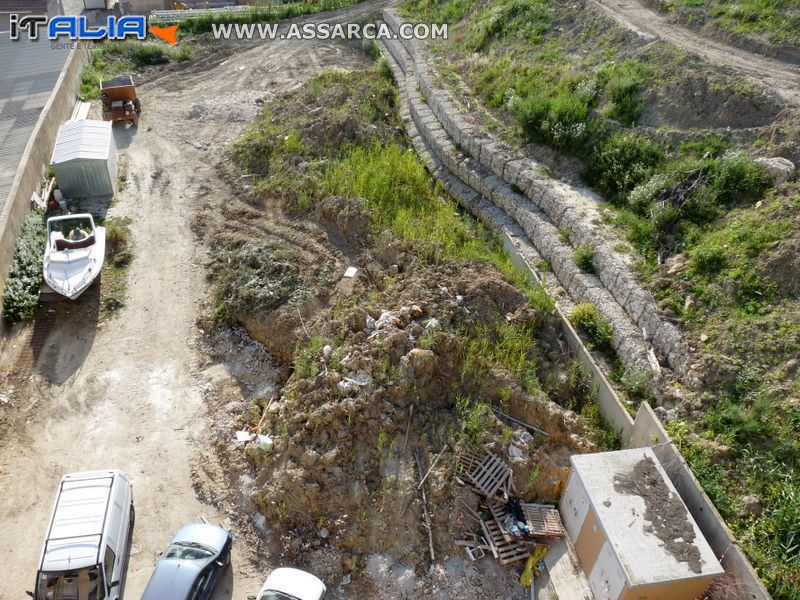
[191, 565]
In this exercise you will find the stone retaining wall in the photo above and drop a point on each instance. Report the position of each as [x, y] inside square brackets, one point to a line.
[544, 209]
[427, 136]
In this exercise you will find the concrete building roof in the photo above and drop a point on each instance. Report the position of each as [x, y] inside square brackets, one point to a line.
[644, 519]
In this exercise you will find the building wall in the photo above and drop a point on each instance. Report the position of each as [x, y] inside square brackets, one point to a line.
[143, 7]
[590, 541]
[677, 590]
[84, 178]
[37, 156]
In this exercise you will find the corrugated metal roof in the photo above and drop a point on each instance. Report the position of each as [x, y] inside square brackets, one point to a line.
[86, 140]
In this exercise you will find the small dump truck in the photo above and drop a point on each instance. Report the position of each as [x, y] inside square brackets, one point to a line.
[120, 102]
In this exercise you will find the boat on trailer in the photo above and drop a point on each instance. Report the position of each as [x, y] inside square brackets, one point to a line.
[73, 257]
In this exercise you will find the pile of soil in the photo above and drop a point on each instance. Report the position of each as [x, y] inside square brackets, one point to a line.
[338, 486]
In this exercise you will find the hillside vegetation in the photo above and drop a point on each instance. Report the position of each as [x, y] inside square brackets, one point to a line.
[670, 143]
[775, 22]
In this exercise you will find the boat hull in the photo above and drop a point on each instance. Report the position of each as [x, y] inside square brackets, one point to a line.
[71, 272]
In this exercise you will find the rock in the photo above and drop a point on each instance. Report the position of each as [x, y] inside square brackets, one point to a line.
[432, 324]
[690, 302]
[704, 337]
[515, 453]
[751, 505]
[327, 352]
[324, 533]
[675, 264]
[309, 459]
[692, 438]
[779, 169]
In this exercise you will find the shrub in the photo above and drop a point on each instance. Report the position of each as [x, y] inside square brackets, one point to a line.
[559, 120]
[622, 83]
[708, 259]
[584, 258]
[640, 199]
[737, 177]
[621, 163]
[596, 328]
[149, 53]
[21, 294]
[117, 241]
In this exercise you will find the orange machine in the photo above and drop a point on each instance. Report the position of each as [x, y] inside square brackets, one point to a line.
[119, 100]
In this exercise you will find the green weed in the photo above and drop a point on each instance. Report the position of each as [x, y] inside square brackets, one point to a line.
[596, 328]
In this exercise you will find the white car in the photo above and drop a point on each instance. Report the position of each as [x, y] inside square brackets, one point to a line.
[292, 584]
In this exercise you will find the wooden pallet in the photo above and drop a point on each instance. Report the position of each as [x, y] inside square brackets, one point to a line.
[543, 520]
[491, 476]
[499, 511]
[506, 552]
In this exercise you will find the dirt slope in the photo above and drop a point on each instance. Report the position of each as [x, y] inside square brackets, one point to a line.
[130, 393]
[782, 78]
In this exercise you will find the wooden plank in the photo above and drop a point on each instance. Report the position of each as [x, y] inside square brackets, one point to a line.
[488, 537]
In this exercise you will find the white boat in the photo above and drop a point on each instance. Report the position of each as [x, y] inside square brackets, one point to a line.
[73, 257]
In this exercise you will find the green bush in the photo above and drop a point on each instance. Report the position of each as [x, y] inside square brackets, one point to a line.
[708, 259]
[21, 294]
[595, 327]
[737, 178]
[621, 163]
[584, 258]
[149, 53]
[559, 120]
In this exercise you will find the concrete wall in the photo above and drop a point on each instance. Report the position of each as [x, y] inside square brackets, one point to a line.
[37, 155]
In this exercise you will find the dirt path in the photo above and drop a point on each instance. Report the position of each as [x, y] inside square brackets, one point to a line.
[129, 393]
[782, 78]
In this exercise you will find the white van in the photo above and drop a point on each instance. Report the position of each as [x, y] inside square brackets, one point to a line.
[86, 550]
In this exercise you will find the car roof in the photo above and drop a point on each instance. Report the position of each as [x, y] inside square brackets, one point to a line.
[76, 527]
[294, 582]
[171, 579]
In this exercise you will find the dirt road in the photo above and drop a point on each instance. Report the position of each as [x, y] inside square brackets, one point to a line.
[129, 393]
[782, 78]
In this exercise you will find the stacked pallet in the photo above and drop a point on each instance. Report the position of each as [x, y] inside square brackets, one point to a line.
[495, 529]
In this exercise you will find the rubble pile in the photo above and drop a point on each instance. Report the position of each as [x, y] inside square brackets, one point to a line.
[334, 449]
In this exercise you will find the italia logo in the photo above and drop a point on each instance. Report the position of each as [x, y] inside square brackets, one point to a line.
[77, 28]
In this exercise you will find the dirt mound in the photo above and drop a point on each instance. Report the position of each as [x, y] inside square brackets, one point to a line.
[339, 459]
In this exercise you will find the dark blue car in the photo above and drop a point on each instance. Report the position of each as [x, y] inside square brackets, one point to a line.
[192, 564]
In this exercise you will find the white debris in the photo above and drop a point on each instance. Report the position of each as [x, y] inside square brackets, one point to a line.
[350, 272]
[264, 442]
[244, 436]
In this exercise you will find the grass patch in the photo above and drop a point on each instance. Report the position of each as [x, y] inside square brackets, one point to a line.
[112, 58]
[119, 254]
[584, 258]
[595, 327]
[21, 293]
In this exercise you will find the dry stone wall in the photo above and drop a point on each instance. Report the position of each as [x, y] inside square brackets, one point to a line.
[543, 208]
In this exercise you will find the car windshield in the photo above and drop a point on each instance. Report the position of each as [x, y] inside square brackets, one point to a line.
[85, 584]
[71, 227]
[273, 595]
[188, 551]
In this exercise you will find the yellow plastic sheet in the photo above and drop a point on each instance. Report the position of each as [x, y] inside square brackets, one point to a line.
[530, 571]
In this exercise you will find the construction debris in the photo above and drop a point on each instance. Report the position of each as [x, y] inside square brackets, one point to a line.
[509, 529]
